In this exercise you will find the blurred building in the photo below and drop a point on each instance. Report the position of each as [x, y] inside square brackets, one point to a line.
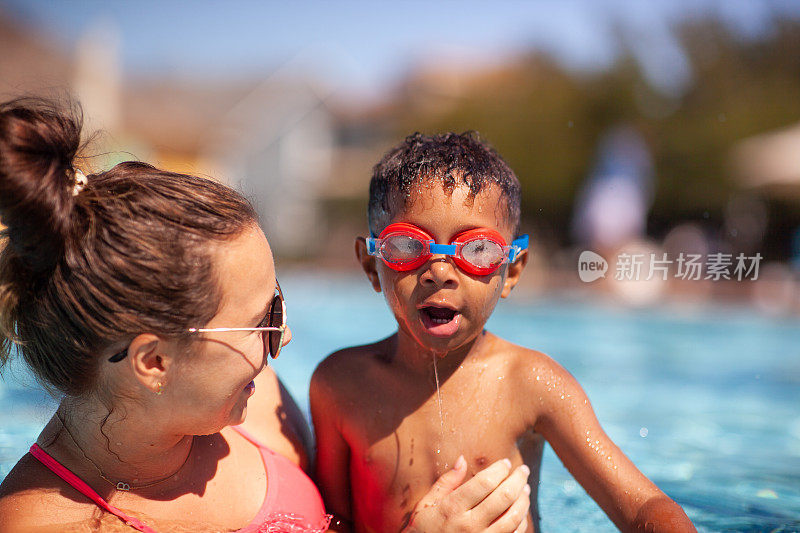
[30, 61]
[276, 145]
[770, 162]
[766, 210]
[271, 137]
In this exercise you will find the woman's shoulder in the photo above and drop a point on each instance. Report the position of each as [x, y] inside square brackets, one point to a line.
[32, 498]
[276, 421]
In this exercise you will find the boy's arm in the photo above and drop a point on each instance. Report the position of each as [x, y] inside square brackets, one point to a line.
[333, 453]
[628, 497]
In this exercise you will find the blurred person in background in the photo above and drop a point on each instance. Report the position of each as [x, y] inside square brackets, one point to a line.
[612, 207]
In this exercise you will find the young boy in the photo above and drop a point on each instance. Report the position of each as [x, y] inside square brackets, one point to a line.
[443, 216]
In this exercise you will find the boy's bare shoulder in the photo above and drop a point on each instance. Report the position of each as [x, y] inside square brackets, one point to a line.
[341, 372]
[340, 364]
[522, 358]
[338, 384]
[534, 369]
[546, 389]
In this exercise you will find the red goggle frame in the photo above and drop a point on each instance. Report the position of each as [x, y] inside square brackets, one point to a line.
[481, 251]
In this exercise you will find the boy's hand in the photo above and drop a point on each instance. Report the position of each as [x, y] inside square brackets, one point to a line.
[495, 500]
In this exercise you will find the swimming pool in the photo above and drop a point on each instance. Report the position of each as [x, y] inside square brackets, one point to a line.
[706, 403]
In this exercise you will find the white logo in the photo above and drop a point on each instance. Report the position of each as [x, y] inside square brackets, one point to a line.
[591, 266]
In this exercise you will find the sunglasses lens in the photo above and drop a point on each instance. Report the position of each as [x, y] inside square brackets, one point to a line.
[401, 249]
[276, 319]
[483, 253]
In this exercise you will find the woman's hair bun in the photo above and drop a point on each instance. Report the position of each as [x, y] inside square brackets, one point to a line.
[38, 143]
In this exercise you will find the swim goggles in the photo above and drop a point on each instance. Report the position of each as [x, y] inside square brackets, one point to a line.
[481, 251]
[272, 328]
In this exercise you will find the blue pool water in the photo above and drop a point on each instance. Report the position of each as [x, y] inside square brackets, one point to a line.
[706, 403]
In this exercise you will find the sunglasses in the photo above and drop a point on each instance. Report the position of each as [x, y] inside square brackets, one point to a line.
[481, 251]
[272, 328]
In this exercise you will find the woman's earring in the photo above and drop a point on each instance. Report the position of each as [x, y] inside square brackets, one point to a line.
[159, 389]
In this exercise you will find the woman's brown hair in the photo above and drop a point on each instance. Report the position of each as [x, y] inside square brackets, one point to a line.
[84, 269]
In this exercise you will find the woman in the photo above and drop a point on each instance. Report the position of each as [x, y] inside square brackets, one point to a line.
[149, 300]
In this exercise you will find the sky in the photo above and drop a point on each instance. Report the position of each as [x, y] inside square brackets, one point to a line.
[366, 46]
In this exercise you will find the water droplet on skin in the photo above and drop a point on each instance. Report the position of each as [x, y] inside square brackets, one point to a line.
[500, 378]
[439, 400]
[119, 444]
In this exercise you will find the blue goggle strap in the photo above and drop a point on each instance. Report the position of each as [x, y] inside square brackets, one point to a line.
[442, 249]
[518, 245]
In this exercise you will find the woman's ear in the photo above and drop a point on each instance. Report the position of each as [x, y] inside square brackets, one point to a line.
[149, 357]
[514, 272]
[367, 263]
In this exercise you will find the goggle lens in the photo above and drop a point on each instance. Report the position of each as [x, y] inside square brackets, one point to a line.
[401, 249]
[483, 253]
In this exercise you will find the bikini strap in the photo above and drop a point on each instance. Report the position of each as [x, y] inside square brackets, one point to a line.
[249, 436]
[78, 484]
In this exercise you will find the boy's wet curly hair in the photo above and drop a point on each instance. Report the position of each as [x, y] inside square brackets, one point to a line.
[454, 159]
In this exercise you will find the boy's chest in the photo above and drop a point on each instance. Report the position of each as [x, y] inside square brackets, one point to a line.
[402, 443]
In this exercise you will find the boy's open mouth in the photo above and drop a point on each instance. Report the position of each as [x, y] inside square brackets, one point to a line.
[439, 321]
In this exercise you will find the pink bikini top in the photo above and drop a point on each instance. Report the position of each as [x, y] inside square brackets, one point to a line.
[292, 503]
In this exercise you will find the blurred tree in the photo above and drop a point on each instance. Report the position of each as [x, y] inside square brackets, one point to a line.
[546, 121]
